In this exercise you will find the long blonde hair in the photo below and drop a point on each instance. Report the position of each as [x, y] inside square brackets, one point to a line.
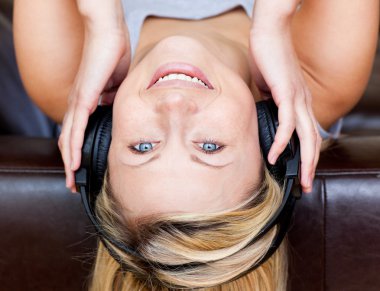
[217, 242]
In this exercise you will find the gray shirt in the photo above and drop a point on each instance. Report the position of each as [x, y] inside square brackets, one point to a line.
[136, 11]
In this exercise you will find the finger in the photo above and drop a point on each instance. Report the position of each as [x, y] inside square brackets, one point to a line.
[307, 135]
[64, 154]
[318, 141]
[63, 144]
[80, 120]
[315, 163]
[94, 77]
[70, 177]
[73, 189]
[317, 148]
[285, 130]
[316, 158]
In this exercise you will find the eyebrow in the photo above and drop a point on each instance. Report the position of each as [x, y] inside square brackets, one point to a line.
[194, 158]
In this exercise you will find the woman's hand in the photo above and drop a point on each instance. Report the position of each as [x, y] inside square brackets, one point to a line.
[104, 65]
[278, 71]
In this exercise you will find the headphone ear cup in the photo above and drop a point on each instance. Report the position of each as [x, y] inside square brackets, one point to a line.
[102, 142]
[268, 123]
[96, 144]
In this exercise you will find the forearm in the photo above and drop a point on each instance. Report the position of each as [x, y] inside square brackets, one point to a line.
[49, 47]
[334, 41]
[48, 38]
[271, 26]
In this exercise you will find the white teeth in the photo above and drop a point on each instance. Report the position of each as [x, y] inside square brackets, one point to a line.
[181, 77]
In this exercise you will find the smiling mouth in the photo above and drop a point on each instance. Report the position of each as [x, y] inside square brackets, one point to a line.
[179, 75]
[183, 77]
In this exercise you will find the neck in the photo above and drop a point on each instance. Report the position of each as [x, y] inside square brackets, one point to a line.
[226, 36]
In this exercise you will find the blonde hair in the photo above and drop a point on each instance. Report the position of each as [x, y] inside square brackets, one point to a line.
[217, 242]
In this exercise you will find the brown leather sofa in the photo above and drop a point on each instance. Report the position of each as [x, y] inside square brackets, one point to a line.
[47, 243]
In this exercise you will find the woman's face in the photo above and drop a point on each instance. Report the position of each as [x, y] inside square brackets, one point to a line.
[179, 146]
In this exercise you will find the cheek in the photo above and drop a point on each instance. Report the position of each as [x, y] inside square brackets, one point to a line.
[129, 113]
[240, 98]
[242, 118]
[136, 80]
[252, 161]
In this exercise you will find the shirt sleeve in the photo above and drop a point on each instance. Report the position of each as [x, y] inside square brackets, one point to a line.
[333, 132]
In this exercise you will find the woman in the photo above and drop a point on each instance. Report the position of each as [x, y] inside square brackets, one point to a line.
[169, 132]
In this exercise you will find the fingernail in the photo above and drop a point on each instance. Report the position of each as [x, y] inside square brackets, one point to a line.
[272, 158]
[305, 182]
[309, 181]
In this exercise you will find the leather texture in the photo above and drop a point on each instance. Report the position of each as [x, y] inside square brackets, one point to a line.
[335, 240]
[47, 242]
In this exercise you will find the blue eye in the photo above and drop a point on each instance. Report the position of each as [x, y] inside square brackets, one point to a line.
[143, 147]
[209, 147]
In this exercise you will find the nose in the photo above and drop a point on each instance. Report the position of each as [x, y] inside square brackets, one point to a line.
[176, 103]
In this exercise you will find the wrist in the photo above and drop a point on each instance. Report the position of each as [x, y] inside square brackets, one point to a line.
[274, 14]
[102, 15]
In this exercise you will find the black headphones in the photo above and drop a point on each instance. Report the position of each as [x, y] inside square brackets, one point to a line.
[90, 175]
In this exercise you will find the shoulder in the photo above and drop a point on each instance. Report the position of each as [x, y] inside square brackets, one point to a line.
[48, 50]
[336, 52]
